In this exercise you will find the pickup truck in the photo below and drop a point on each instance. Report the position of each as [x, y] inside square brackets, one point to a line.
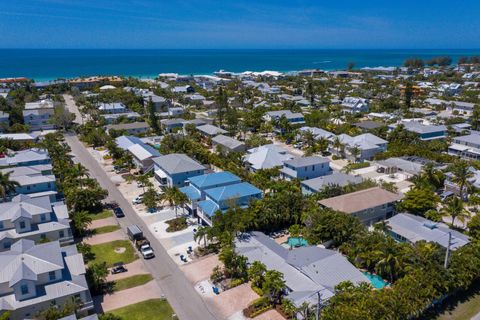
[147, 251]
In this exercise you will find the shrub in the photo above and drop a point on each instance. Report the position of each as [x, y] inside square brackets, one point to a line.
[235, 283]
[177, 224]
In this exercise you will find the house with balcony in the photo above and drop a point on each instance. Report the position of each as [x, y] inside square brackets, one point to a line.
[355, 105]
[36, 219]
[293, 118]
[305, 168]
[33, 277]
[142, 153]
[28, 157]
[369, 205]
[37, 115]
[196, 186]
[175, 169]
[36, 181]
[466, 147]
[113, 108]
[406, 227]
[223, 197]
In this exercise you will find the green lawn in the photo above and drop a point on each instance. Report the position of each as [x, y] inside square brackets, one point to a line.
[105, 229]
[133, 281]
[101, 215]
[154, 309]
[106, 252]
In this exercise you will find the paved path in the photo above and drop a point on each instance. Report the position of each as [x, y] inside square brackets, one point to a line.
[111, 221]
[105, 237]
[180, 293]
[127, 297]
[134, 268]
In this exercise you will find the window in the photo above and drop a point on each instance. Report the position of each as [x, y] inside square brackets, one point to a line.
[61, 234]
[6, 245]
[24, 289]
[42, 217]
[1, 225]
[22, 225]
[28, 187]
[51, 275]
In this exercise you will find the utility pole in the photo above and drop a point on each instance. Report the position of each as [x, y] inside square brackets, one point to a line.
[447, 254]
[317, 315]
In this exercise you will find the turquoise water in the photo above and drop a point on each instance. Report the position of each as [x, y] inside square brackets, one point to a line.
[51, 64]
[376, 281]
[297, 242]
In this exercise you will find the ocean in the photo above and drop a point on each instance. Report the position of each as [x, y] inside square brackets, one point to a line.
[49, 64]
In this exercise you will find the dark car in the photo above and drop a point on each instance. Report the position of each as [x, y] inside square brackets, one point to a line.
[118, 267]
[119, 212]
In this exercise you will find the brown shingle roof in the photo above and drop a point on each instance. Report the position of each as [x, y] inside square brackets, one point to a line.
[360, 200]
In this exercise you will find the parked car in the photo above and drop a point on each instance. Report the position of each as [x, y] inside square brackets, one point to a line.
[118, 267]
[118, 212]
[138, 199]
[147, 251]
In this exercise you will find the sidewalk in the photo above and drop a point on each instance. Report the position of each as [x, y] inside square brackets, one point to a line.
[127, 297]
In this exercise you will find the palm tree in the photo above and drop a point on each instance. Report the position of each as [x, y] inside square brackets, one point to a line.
[144, 180]
[168, 195]
[454, 208]
[337, 144]
[355, 152]
[204, 233]
[389, 264]
[174, 197]
[461, 175]
[7, 186]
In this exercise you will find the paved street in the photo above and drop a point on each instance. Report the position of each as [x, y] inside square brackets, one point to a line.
[173, 283]
[72, 107]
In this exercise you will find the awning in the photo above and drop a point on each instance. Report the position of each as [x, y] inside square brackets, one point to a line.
[161, 174]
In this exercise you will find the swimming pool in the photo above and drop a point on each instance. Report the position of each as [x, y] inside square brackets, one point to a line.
[376, 281]
[297, 242]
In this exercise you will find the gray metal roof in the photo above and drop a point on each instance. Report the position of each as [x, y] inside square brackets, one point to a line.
[177, 163]
[306, 270]
[307, 161]
[415, 228]
[227, 141]
[336, 178]
[211, 130]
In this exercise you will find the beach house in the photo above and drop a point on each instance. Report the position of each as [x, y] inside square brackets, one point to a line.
[369, 205]
[37, 219]
[406, 227]
[308, 271]
[223, 197]
[305, 168]
[174, 169]
[37, 115]
[33, 277]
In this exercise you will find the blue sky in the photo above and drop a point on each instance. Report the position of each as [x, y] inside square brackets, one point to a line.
[239, 24]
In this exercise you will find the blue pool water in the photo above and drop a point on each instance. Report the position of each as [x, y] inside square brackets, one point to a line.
[376, 281]
[297, 242]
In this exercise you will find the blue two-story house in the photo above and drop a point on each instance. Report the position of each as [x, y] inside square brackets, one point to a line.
[305, 168]
[174, 169]
[222, 198]
[195, 190]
